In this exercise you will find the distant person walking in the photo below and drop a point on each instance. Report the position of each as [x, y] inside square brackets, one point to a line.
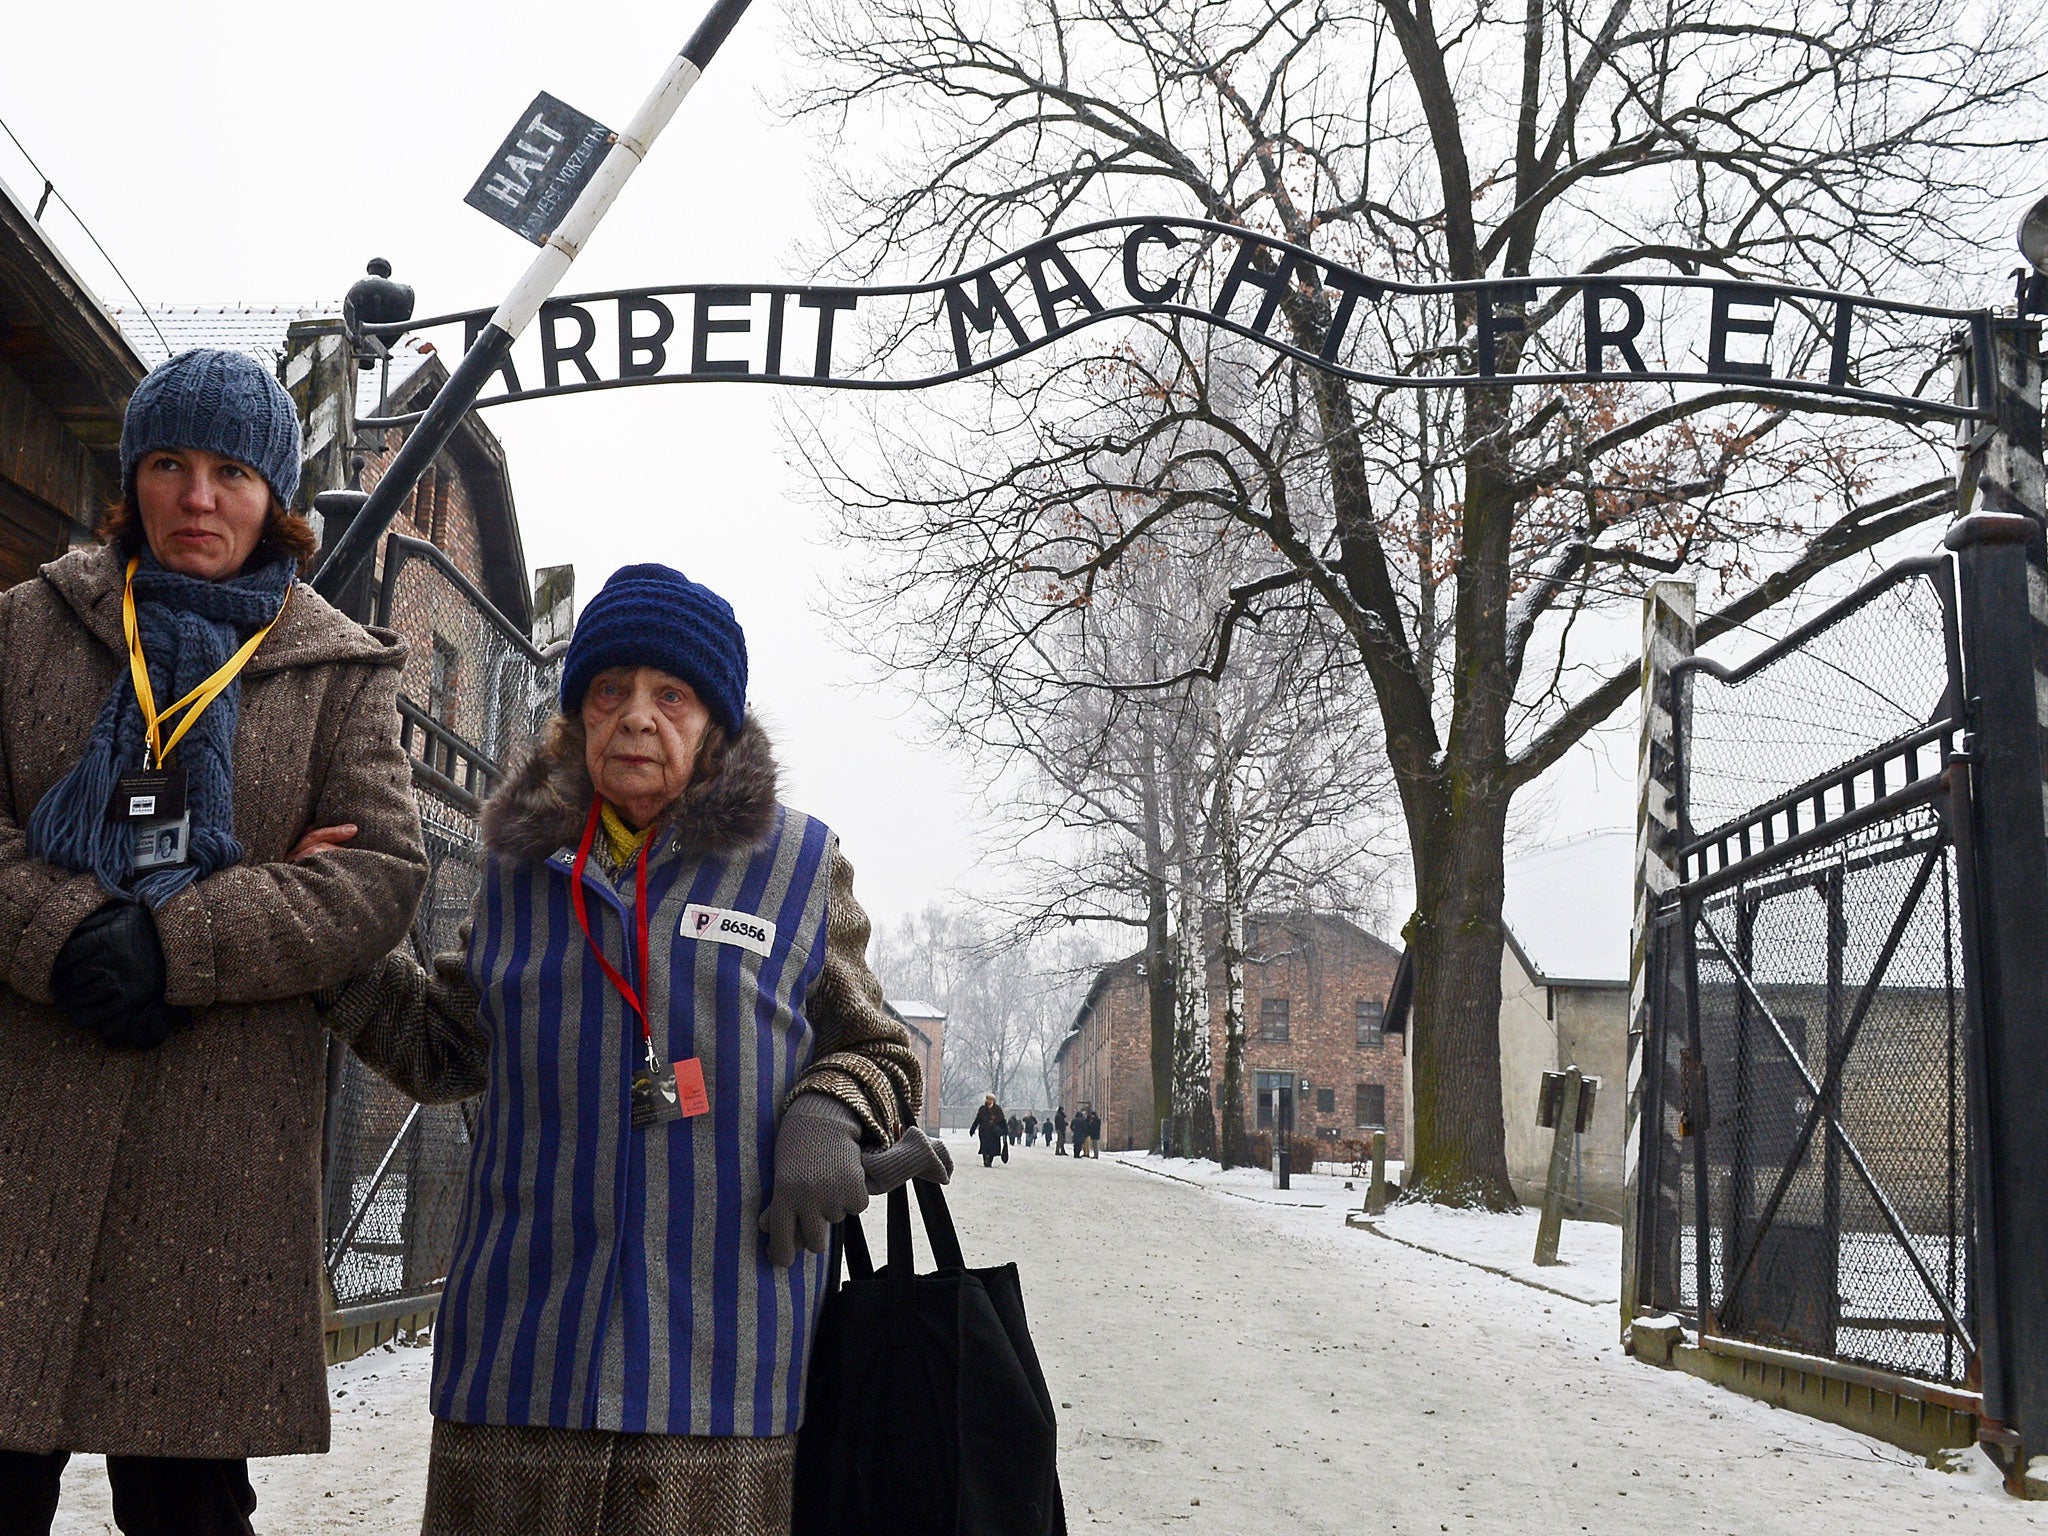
[1091, 1132]
[1016, 1130]
[992, 1127]
[1031, 1130]
[1059, 1131]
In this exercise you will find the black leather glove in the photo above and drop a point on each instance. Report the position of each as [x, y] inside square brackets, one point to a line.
[109, 978]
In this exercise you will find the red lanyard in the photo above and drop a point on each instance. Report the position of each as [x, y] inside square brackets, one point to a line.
[632, 998]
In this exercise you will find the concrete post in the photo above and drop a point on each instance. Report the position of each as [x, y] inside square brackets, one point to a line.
[1551, 1227]
[1667, 640]
[319, 374]
[1376, 1191]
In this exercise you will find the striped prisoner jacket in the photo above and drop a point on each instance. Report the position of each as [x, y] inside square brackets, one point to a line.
[605, 1277]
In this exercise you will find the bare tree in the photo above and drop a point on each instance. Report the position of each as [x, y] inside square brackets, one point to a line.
[1168, 808]
[1007, 998]
[1455, 538]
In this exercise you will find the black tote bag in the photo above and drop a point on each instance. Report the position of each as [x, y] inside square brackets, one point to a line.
[926, 1413]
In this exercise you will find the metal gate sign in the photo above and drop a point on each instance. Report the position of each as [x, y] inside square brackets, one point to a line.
[531, 182]
[1607, 331]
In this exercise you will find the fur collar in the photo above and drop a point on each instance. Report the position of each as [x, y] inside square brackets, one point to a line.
[544, 802]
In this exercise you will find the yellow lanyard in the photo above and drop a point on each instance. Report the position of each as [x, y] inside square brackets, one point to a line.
[199, 697]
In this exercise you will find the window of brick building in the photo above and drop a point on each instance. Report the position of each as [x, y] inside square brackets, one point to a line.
[1372, 1107]
[1372, 1032]
[1326, 1101]
[1273, 1020]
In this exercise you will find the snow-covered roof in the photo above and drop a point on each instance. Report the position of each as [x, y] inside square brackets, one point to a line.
[912, 1008]
[257, 329]
[1569, 908]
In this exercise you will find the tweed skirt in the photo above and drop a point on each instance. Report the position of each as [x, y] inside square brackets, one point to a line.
[509, 1480]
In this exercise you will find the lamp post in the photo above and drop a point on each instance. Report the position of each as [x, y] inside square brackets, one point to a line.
[2030, 292]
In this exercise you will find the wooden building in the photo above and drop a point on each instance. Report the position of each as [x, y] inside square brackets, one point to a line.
[66, 372]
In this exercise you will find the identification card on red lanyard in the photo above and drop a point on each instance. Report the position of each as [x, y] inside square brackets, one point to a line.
[658, 1097]
[654, 1098]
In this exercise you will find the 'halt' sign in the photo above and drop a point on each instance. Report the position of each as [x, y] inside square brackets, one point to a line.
[531, 184]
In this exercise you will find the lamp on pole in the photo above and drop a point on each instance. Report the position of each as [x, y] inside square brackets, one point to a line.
[2030, 292]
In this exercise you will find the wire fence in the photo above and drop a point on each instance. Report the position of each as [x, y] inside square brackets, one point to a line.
[1861, 675]
[474, 693]
[1809, 1148]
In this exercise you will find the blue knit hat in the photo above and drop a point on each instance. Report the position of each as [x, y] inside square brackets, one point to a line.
[224, 402]
[651, 616]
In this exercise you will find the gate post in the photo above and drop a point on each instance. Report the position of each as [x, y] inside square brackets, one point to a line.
[2003, 600]
[1667, 640]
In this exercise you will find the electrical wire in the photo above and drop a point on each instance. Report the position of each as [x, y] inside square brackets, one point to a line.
[49, 188]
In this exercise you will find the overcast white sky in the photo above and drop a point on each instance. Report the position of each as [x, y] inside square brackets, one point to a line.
[226, 150]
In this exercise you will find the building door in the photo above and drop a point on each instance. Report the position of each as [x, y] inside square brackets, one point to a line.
[1284, 1081]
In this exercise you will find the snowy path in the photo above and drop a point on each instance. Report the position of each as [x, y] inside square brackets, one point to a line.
[1234, 1366]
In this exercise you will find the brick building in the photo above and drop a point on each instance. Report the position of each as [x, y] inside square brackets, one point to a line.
[927, 1025]
[1315, 991]
[463, 503]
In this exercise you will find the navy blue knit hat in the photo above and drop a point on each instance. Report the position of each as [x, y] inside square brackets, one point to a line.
[651, 616]
[224, 402]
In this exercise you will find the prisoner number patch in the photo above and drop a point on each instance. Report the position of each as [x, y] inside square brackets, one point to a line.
[717, 925]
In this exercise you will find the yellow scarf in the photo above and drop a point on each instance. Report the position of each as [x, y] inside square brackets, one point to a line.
[624, 841]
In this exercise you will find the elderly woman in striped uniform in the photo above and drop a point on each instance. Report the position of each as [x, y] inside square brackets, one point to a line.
[688, 1074]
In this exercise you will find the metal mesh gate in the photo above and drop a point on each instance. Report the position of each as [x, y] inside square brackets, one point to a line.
[1807, 1143]
[474, 692]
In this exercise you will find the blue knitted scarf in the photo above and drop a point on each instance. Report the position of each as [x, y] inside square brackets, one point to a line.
[189, 627]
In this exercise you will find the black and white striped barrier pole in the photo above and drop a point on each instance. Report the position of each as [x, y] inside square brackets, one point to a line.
[1649, 1257]
[512, 316]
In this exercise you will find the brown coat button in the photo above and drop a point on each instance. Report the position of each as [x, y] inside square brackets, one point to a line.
[645, 1487]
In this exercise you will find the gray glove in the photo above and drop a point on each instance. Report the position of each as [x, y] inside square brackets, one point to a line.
[818, 1176]
[915, 1156]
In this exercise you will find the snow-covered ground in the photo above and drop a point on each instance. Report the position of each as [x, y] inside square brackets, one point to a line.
[1230, 1358]
[1589, 1252]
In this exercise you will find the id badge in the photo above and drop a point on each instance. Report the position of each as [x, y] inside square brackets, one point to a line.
[162, 844]
[654, 1099]
[148, 795]
[152, 803]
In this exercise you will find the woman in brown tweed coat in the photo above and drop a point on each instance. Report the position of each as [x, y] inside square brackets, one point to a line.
[161, 1065]
[688, 1073]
